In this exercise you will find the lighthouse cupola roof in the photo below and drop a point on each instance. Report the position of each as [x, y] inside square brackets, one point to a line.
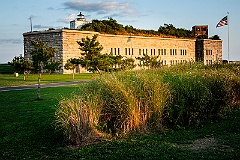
[81, 16]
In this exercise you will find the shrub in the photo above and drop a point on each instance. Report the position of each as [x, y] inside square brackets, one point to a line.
[78, 118]
[139, 101]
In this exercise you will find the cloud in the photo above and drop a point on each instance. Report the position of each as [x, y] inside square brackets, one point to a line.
[67, 19]
[11, 41]
[50, 8]
[104, 7]
[39, 26]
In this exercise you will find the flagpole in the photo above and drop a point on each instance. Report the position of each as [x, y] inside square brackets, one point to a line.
[228, 33]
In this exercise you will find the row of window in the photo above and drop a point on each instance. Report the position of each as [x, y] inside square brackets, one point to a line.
[172, 62]
[173, 52]
[128, 51]
[183, 52]
[162, 52]
[153, 52]
[209, 62]
[115, 51]
[208, 52]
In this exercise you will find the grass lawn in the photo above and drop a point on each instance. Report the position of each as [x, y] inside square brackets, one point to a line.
[10, 80]
[27, 131]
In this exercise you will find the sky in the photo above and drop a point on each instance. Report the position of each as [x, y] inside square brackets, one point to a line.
[142, 14]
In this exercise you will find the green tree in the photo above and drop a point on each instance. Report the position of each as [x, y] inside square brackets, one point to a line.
[169, 29]
[111, 26]
[21, 65]
[215, 37]
[149, 61]
[71, 65]
[53, 66]
[41, 56]
[127, 64]
[91, 58]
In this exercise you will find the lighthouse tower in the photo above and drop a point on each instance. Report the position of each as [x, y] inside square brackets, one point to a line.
[79, 22]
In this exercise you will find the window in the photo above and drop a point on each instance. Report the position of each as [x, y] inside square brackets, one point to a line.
[126, 51]
[173, 52]
[118, 51]
[140, 52]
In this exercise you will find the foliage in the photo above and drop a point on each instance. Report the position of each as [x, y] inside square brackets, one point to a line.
[91, 52]
[41, 55]
[21, 64]
[149, 61]
[80, 113]
[53, 66]
[7, 69]
[111, 26]
[141, 101]
[127, 64]
[70, 65]
[215, 37]
[169, 29]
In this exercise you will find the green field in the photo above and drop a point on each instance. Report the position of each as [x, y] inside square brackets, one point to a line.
[27, 131]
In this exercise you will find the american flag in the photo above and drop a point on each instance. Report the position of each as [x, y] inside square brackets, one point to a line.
[223, 22]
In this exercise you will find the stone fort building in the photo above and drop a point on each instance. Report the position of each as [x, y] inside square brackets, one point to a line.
[169, 50]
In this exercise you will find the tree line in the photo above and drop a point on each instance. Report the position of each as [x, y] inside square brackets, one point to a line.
[111, 26]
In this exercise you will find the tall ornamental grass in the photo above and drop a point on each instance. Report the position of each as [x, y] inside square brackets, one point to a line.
[146, 100]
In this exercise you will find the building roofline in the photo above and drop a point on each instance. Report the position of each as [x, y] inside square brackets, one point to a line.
[42, 32]
[209, 40]
[110, 35]
[200, 25]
